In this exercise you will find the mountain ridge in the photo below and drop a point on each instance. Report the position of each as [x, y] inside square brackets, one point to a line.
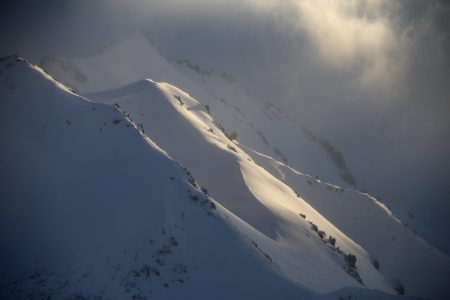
[131, 105]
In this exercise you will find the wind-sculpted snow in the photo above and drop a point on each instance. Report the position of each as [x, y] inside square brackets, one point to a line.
[148, 106]
[94, 208]
[399, 252]
[264, 208]
[91, 209]
[260, 125]
[199, 141]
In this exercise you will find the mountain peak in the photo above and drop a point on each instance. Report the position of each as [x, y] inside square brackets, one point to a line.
[112, 160]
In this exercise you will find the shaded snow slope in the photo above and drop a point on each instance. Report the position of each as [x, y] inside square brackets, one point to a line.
[90, 208]
[268, 129]
[263, 208]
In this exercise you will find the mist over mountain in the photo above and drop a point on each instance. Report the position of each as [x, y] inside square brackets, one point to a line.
[301, 122]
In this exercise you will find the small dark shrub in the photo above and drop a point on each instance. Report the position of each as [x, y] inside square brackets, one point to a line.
[232, 148]
[160, 261]
[321, 233]
[398, 286]
[179, 99]
[351, 261]
[212, 205]
[208, 111]
[190, 178]
[174, 241]
[180, 269]
[375, 263]
[332, 240]
[231, 136]
[116, 121]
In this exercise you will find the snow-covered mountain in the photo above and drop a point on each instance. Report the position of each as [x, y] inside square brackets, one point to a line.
[266, 128]
[262, 128]
[97, 203]
[362, 216]
[93, 208]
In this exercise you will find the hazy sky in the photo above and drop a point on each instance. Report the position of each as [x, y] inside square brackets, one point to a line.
[381, 54]
[342, 67]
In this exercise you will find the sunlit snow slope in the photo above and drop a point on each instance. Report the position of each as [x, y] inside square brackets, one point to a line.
[276, 211]
[400, 252]
[91, 209]
[266, 128]
[403, 257]
[266, 210]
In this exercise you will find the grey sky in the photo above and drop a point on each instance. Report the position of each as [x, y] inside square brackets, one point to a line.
[342, 67]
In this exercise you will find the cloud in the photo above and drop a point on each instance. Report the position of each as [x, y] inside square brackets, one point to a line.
[341, 67]
[323, 59]
[346, 34]
[353, 36]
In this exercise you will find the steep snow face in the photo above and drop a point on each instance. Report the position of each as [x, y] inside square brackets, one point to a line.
[397, 250]
[261, 126]
[90, 208]
[264, 127]
[263, 208]
[369, 159]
